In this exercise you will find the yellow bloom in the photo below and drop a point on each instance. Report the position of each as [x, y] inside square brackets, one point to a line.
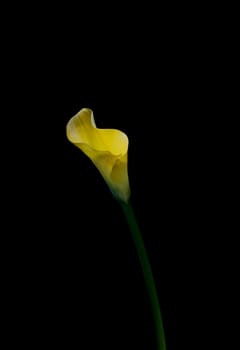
[107, 149]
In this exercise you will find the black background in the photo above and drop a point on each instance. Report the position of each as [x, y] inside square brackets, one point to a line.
[75, 278]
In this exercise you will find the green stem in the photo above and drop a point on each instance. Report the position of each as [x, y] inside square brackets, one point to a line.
[147, 273]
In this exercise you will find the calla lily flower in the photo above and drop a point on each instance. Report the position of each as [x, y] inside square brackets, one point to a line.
[107, 149]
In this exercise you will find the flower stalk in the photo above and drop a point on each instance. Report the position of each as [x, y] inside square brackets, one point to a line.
[147, 274]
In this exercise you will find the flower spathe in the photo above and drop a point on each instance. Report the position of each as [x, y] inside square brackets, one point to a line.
[107, 149]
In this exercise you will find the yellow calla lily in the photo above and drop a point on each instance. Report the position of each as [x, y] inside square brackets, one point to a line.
[107, 149]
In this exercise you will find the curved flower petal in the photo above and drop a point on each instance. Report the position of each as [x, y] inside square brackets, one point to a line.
[107, 148]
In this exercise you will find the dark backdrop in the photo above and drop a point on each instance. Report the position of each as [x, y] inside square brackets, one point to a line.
[75, 274]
